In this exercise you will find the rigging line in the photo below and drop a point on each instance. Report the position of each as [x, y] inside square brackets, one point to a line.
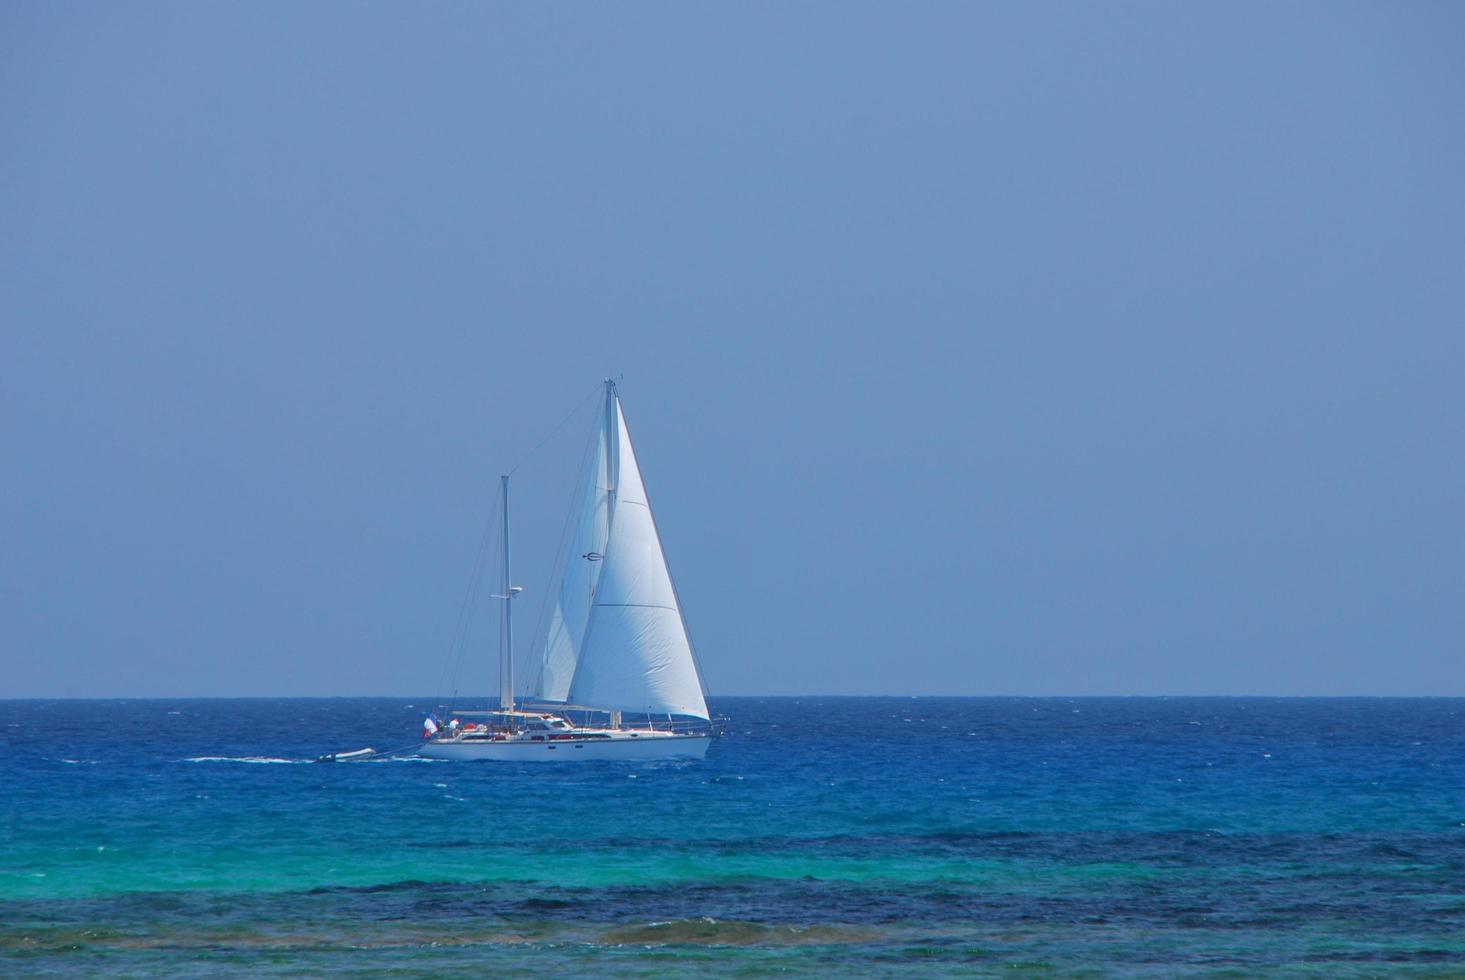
[498, 607]
[540, 445]
[561, 555]
[453, 662]
[465, 609]
[457, 643]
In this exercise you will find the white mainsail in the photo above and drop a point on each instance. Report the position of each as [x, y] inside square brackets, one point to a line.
[577, 585]
[635, 654]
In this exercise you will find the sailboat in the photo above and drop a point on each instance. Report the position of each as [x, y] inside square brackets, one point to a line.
[615, 675]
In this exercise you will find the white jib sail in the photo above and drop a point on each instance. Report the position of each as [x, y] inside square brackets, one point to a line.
[577, 585]
[636, 655]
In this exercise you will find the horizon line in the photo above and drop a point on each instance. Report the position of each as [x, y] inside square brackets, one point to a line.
[911, 697]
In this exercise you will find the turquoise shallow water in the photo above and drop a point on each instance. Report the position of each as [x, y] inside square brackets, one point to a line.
[875, 836]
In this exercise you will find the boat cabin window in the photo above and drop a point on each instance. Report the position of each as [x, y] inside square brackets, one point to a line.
[544, 724]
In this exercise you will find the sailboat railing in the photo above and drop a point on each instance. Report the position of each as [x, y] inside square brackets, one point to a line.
[583, 716]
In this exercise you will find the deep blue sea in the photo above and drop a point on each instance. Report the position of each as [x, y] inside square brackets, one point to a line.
[852, 836]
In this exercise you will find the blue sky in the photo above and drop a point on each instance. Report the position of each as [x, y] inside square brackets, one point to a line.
[997, 348]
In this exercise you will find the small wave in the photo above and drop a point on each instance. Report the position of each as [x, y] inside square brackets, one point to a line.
[80, 762]
[713, 932]
[258, 760]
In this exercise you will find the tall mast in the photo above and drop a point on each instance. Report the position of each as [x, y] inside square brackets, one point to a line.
[612, 488]
[506, 655]
[612, 451]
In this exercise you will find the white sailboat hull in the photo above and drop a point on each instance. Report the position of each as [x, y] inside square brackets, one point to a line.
[643, 747]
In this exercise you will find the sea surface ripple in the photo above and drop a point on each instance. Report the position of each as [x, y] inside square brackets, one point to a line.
[869, 836]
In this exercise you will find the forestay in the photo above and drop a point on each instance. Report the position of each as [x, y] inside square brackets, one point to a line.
[582, 570]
